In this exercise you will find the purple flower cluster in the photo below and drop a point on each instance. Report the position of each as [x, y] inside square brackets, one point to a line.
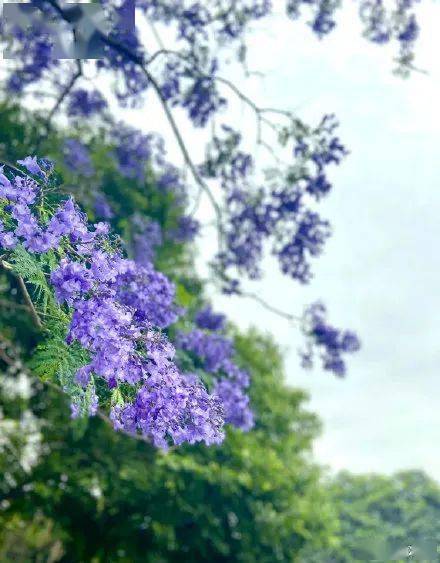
[206, 318]
[277, 213]
[307, 239]
[149, 293]
[84, 103]
[147, 236]
[24, 226]
[214, 352]
[33, 48]
[102, 207]
[322, 149]
[184, 412]
[124, 61]
[118, 328]
[330, 342]
[77, 158]
[231, 390]
[323, 11]
[202, 99]
[211, 349]
[133, 150]
[187, 229]
[118, 310]
[382, 24]
[233, 22]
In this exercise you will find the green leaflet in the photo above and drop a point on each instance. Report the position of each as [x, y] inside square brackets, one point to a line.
[30, 269]
[56, 361]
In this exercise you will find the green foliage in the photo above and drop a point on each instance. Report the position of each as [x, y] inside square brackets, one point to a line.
[255, 498]
[30, 268]
[54, 360]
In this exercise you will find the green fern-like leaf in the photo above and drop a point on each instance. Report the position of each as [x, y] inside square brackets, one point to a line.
[30, 269]
[54, 360]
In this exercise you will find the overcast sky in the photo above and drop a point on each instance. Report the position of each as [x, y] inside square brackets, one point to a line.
[380, 272]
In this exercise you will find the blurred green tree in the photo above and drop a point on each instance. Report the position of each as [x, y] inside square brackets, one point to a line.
[385, 518]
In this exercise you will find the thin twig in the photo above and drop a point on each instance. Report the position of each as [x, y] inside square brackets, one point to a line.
[288, 316]
[29, 302]
[62, 97]
[25, 294]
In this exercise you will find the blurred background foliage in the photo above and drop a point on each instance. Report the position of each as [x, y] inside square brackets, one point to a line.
[77, 491]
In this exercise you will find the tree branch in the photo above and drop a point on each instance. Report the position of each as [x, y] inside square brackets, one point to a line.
[25, 294]
[288, 316]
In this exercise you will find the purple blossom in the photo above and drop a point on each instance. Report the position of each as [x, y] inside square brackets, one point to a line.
[84, 103]
[147, 236]
[134, 150]
[33, 48]
[70, 280]
[34, 237]
[134, 81]
[202, 99]
[31, 164]
[150, 293]
[187, 229]
[211, 349]
[102, 207]
[7, 240]
[310, 234]
[330, 342]
[206, 318]
[67, 220]
[172, 408]
[215, 352]
[235, 403]
[77, 158]
[169, 179]
[19, 190]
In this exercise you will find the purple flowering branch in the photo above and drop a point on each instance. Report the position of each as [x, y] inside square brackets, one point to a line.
[112, 311]
[10, 355]
[259, 111]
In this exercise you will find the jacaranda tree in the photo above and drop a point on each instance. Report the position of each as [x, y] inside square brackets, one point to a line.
[100, 298]
[74, 491]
